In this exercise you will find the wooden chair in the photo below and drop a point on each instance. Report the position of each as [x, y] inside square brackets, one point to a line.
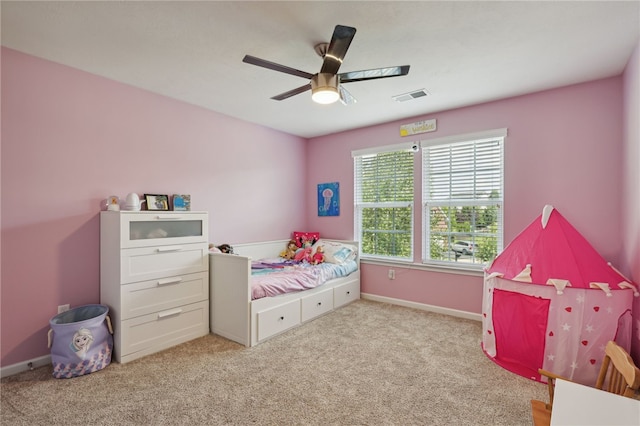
[618, 375]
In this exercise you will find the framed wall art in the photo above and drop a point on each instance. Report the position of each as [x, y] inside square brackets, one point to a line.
[181, 202]
[157, 202]
[329, 199]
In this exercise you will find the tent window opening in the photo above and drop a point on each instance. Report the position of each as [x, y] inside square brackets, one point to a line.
[383, 203]
[462, 199]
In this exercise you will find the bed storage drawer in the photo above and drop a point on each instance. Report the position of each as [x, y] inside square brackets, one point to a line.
[147, 297]
[150, 333]
[278, 319]
[346, 293]
[316, 304]
[148, 263]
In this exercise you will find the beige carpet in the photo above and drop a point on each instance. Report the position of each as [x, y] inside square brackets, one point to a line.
[367, 363]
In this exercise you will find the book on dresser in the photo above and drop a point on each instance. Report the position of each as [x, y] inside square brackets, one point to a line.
[154, 277]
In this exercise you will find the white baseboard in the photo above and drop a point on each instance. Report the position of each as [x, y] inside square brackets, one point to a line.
[10, 370]
[422, 306]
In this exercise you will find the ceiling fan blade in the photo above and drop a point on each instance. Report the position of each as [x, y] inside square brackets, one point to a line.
[290, 93]
[338, 46]
[345, 97]
[349, 77]
[276, 67]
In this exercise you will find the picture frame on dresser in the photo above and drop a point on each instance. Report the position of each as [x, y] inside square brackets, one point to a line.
[182, 202]
[157, 202]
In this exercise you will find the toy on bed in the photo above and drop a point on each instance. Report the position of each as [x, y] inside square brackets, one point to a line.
[290, 252]
[304, 254]
[301, 238]
[318, 256]
[222, 248]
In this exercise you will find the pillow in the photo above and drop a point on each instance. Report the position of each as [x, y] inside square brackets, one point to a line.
[335, 252]
[301, 237]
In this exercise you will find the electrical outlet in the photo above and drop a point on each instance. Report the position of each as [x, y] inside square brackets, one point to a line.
[392, 274]
[63, 308]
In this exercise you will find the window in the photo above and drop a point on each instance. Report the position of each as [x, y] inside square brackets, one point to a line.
[462, 199]
[383, 197]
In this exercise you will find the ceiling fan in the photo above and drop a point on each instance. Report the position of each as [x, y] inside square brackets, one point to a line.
[326, 86]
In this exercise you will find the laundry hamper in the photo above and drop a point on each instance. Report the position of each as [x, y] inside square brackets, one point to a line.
[81, 341]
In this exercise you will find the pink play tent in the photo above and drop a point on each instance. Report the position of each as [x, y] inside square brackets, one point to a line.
[551, 301]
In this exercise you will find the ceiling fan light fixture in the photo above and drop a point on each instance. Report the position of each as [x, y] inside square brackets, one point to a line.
[324, 88]
[327, 86]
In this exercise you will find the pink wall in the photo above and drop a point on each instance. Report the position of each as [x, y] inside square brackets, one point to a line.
[70, 139]
[631, 187]
[564, 148]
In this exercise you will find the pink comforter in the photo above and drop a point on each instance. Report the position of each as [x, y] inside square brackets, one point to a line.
[267, 282]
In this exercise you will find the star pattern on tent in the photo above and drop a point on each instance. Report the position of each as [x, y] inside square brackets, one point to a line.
[580, 299]
[609, 310]
[551, 357]
[574, 365]
[566, 327]
[589, 328]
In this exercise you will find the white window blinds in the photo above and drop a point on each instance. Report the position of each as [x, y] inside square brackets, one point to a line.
[464, 171]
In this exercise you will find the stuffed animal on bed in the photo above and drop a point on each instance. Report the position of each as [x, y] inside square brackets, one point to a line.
[290, 252]
[226, 248]
[222, 248]
[318, 256]
[303, 254]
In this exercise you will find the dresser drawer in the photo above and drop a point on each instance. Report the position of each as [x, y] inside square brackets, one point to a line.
[346, 293]
[148, 263]
[151, 333]
[278, 319]
[316, 304]
[147, 297]
[129, 229]
[145, 229]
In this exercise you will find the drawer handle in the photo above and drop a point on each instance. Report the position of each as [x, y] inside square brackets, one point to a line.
[168, 248]
[169, 281]
[171, 313]
[319, 303]
[348, 293]
[282, 318]
[168, 216]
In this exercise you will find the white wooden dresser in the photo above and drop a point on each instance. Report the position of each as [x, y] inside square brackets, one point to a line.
[154, 277]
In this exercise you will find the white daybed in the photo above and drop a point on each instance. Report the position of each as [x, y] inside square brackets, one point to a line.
[249, 322]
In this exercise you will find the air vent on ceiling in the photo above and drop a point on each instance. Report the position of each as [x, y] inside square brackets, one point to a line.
[410, 96]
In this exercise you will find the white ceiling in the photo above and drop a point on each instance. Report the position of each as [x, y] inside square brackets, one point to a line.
[462, 53]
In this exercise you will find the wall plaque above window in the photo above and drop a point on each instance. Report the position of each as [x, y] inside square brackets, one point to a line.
[418, 127]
